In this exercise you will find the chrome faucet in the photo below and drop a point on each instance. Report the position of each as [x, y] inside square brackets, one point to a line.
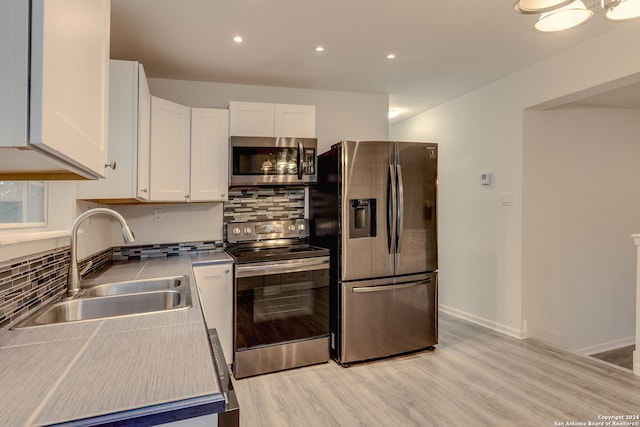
[73, 281]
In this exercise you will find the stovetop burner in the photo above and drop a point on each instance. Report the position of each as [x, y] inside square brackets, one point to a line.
[262, 241]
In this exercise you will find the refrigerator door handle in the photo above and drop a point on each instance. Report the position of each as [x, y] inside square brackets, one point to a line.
[300, 157]
[382, 288]
[400, 211]
[391, 210]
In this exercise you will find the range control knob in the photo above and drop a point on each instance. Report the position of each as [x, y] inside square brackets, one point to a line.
[292, 227]
[301, 227]
[237, 231]
[247, 230]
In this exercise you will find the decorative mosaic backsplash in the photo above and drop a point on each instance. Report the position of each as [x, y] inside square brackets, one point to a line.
[128, 253]
[29, 282]
[258, 204]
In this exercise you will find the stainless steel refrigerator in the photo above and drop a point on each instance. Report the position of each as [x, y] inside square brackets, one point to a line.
[374, 207]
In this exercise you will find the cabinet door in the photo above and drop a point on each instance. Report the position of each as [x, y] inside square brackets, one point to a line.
[120, 183]
[209, 154]
[215, 288]
[144, 125]
[70, 80]
[295, 120]
[169, 151]
[251, 119]
[54, 83]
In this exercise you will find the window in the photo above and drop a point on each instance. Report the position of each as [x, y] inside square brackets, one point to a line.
[23, 204]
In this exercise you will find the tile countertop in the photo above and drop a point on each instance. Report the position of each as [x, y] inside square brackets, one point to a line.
[154, 365]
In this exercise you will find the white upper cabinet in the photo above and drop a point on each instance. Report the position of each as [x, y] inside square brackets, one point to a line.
[251, 119]
[295, 120]
[189, 160]
[129, 114]
[144, 134]
[209, 154]
[169, 177]
[264, 119]
[54, 85]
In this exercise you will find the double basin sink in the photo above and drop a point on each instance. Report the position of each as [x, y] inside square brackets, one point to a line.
[115, 299]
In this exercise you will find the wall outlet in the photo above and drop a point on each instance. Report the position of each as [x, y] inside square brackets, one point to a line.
[158, 214]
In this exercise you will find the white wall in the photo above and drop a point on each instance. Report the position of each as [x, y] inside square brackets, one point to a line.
[580, 179]
[482, 131]
[183, 222]
[339, 115]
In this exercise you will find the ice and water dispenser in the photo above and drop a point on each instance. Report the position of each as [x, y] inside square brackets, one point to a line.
[362, 218]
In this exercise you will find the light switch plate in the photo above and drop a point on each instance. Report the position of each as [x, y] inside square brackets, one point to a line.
[485, 178]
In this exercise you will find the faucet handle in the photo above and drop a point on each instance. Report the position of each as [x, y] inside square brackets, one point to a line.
[86, 268]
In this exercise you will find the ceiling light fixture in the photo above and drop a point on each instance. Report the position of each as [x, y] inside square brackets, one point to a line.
[558, 15]
[237, 39]
[391, 56]
[319, 48]
[393, 114]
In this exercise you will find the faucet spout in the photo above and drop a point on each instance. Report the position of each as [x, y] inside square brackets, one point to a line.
[73, 280]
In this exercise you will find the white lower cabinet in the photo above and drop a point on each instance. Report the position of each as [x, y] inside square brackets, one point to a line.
[215, 287]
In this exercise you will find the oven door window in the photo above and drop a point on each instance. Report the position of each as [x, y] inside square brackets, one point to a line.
[283, 307]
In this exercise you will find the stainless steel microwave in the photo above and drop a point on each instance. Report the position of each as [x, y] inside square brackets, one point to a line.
[272, 161]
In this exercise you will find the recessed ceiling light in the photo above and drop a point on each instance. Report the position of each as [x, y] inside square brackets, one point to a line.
[391, 56]
[393, 114]
[237, 39]
[319, 48]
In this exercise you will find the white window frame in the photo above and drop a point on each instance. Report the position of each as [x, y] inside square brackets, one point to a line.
[45, 207]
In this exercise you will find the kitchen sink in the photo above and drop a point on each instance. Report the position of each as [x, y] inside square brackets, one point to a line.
[135, 286]
[119, 299]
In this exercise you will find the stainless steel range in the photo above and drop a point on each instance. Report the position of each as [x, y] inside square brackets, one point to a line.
[281, 306]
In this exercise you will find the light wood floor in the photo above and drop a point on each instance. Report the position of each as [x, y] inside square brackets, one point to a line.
[621, 356]
[475, 377]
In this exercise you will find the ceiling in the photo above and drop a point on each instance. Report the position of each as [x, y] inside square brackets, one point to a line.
[443, 48]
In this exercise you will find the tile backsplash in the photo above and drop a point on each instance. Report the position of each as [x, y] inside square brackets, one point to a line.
[27, 283]
[259, 204]
[129, 253]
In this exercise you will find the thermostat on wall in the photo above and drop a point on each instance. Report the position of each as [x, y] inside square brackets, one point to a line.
[485, 178]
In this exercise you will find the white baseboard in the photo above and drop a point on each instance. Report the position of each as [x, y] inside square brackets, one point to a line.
[498, 327]
[606, 346]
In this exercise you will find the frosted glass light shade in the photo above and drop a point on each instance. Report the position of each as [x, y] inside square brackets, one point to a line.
[627, 9]
[566, 17]
[538, 6]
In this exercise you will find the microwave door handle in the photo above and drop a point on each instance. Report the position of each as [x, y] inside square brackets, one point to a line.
[300, 148]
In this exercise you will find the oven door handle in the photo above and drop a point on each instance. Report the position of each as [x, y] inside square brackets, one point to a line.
[292, 266]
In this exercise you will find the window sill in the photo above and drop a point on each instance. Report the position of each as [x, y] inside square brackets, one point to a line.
[13, 238]
[17, 245]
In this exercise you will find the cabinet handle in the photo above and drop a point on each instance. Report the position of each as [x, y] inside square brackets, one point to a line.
[186, 196]
[144, 190]
[226, 270]
[111, 165]
[221, 194]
